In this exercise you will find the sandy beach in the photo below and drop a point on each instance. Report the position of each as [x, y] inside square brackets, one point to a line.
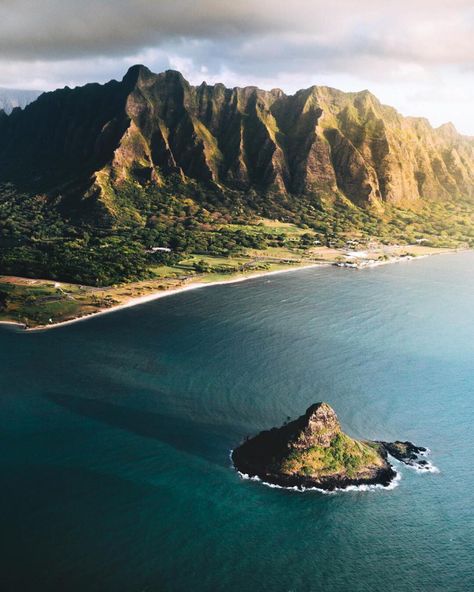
[195, 285]
[161, 294]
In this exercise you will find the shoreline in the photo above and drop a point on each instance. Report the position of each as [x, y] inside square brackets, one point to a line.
[136, 301]
[395, 482]
[157, 295]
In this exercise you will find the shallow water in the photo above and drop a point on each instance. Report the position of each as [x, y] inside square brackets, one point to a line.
[116, 431]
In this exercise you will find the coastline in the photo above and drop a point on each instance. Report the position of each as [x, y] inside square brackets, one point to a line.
[160, 294]
[194, 285]
[392, 484]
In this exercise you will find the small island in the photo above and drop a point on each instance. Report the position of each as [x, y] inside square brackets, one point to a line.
[313, 452]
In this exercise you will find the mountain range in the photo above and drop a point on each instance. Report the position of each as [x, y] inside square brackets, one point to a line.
[92, 179]
[86, 142]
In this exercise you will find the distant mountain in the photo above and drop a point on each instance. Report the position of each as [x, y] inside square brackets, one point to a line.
[12, 97]
[318, 142]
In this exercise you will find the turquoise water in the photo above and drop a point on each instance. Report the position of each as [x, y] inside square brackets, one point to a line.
[116, 431]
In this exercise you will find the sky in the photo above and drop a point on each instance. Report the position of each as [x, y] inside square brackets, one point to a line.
[417, 55]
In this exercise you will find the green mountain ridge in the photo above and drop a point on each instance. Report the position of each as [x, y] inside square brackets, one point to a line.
[319, 141]
[154, 151]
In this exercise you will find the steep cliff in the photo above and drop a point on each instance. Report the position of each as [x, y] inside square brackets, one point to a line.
[83, 144]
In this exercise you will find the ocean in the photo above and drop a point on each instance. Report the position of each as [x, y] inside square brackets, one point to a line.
[115, 435]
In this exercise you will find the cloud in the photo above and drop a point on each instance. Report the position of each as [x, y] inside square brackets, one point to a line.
[408, 49]
[69, 29]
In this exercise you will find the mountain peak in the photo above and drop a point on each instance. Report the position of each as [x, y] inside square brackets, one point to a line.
[141, 74]
[448, 130]
[137, 72]
[317, 427]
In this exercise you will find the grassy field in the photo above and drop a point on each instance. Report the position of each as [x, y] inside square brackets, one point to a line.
[269, 226]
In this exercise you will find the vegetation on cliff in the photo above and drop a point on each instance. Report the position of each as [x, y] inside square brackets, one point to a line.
[343, 456]
[93, 179]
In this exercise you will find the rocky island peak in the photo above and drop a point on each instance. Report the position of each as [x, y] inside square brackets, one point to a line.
[312, 451]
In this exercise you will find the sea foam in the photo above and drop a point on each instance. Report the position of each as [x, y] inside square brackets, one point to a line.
[373, 487]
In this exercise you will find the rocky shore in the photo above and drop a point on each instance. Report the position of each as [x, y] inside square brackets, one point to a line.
[313, 452]
[407, 453]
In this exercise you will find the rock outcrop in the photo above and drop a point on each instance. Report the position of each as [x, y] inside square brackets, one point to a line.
[408, 453]
[313, 452]
[83, 143]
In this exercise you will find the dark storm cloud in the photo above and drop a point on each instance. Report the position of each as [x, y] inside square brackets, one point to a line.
[68, 28]
[417, 52]
[306, 29]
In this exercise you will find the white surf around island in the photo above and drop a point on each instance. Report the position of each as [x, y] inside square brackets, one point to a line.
[422, 469]
[350, 488]
[429, 467]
